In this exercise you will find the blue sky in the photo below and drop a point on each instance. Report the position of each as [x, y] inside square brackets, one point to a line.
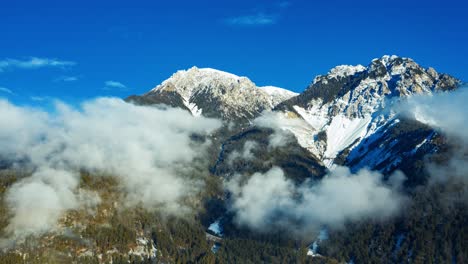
[73, 50]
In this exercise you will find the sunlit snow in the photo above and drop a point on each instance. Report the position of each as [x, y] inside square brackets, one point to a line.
[216, 228]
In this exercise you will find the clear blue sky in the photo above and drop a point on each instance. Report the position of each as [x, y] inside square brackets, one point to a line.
[70, 49]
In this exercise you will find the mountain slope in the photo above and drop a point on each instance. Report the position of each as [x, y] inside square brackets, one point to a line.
[214, 93]
[346, 105]
[337, 113]
[343, 118]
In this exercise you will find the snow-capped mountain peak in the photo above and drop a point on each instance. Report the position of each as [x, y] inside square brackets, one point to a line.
[215, 93]
[335, 113]
[341, 107]
[277, 94]
[186, 81]
[345, 70]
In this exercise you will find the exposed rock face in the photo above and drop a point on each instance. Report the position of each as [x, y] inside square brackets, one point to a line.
[343, 118]
[330, 118]
[338, 118]
[214, 93]
[345, 106]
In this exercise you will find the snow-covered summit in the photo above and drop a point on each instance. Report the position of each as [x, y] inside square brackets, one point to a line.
[277, 94]
[336, 112]
[186, 81]
[340, 107]
[345, 70]
[215, 93]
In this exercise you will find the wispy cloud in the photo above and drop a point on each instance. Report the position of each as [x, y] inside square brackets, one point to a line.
[258, 19]
[67, 79]
[6, 90]
[260, 16]
[40, 98]
[268, 201]
[56, 145]
[114, 85]
[33, 63]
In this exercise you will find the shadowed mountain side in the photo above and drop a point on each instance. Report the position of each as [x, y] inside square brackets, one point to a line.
[297, 162]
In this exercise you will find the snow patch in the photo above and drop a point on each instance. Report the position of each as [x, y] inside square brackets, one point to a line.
[428, 138]
[313, 248]
[315, 116]
[193, 108]
[303, 131]
[215, 248]
[145, 248]
[342, 132]
[216, 228]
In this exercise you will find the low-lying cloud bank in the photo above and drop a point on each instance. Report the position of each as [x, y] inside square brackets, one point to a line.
[278, 123]
[269, 200]
[265, 201]
[152, 152]
[150, 149]
[447, 112]
[245, 154]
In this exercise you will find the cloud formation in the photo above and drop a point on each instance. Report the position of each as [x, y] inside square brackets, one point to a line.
[67, 79]
[269, 200]
[5, 90]
[33, 63]
[40, 98]
[149, 149]
[114, 85]
[260, 16]
[446, 112]
[258, 19]
[38, 202]
[280, 124]
[245, 154]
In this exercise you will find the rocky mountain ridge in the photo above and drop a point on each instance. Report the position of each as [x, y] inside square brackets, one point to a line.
[344, 117]
[334, 114]
[347, 105]
[215, 93]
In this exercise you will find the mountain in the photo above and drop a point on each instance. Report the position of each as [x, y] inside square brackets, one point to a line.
[334, 114]
[345, 106]
[214, 93]
[344, 117]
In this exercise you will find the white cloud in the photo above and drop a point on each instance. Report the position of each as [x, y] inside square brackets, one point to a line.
[149, 149]
[38, 202]
[280, 123]
[258, 19]
[6, 90]
[40, 98]
[245, 154]
[33, 63]
[67, 79]
[114, 85]
[446, 112]
[270, 200]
